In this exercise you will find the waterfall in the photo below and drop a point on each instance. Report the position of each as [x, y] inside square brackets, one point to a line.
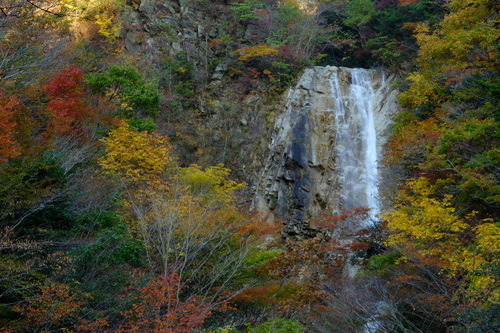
[324, 148]
[356, 142]
[356, 151]
[322, 158]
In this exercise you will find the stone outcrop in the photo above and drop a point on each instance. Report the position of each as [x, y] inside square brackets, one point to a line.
[299, 179]
[157, 31]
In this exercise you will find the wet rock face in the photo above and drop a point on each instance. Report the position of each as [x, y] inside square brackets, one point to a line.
[300, 178]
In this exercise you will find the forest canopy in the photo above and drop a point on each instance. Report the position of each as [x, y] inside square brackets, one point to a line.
[130, 129]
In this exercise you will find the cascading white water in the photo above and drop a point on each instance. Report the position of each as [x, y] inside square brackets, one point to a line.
[323, 157]
[324, 148]
[356, 142]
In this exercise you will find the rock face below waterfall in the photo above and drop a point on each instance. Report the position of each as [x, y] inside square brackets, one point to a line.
[300, 179]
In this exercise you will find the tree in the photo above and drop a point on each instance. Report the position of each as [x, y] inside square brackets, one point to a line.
[56, 306]
[67, 106]
[212, 183]
[448, 137]
[155, 306]
[8, 143]
[136, 156]
[462, 45]
[256, 52]
[247, 9]
[130, 95]
[45, 195]
[359, 12]
[278, 325]
[445, 259]
[52, 133]
[185, 217]
[292, 277]
[425, 226]
[33, 39]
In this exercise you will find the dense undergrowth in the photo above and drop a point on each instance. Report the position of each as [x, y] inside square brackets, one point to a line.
[108, 225]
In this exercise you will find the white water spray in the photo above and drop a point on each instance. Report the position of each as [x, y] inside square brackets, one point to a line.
[356, 142]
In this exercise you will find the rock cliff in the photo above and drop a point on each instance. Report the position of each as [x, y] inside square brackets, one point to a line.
[300, 178]
[156, 31]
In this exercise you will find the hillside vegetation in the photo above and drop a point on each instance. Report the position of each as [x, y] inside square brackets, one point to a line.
[131, 132]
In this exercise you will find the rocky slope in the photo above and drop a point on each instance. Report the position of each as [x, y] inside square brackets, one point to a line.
[300, 178]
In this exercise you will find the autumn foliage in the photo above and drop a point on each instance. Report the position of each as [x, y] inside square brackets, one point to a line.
[261, 50]
[156, 307]
[125, 140]
[136, 156]
[8, 143]
[446, 143]
[67, 105]
[56, 306]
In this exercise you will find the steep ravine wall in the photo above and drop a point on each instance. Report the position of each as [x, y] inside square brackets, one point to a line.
[155, 32]
[228, 120]
[299, 179]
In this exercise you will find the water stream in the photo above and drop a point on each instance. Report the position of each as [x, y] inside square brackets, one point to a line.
[356, 142]
[324, 148]
[323, 157]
